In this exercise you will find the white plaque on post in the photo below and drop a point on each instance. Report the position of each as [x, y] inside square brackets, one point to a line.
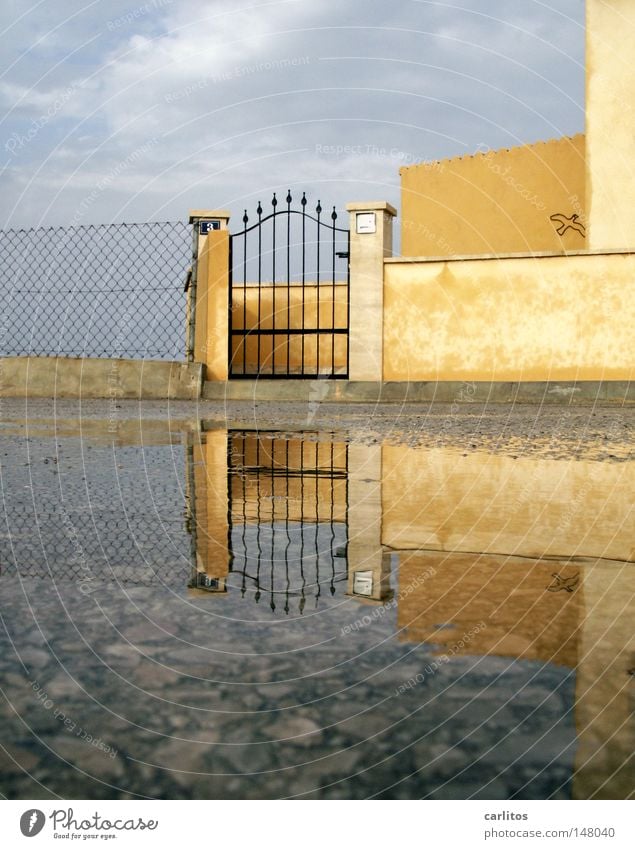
[366, 222]
[363, 583]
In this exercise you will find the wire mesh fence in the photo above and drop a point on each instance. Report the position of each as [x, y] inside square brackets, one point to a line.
[112, 290]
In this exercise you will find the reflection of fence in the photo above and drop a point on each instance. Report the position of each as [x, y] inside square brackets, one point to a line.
[288, 510]
[96, 291]
[123, 524]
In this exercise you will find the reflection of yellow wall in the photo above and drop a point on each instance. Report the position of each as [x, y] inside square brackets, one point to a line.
[326, 301]
[610, 120]
[553, 318]
[604, 689]
[494, 202]
[439, 500]
[506, 596]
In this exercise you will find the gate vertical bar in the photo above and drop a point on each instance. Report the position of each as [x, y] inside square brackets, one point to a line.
[259, 324]
[304, 203]
[230, 298]
[274, 203]
[333, 219]
[318, 209]
[289, 199]
[245, 333]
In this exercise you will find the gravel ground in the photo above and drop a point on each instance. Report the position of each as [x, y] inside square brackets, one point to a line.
[595, 432]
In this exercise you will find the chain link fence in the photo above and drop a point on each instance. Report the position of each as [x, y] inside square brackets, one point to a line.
[111, 290]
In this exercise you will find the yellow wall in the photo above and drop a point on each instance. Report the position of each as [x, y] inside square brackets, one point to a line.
[610, 123]
[295, 347]
[495, 201]
[531, 507]
[550, 318]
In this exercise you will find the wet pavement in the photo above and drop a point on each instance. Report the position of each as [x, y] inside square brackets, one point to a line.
[315, 612]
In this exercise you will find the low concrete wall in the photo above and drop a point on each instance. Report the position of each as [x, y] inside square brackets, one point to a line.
[61, 377]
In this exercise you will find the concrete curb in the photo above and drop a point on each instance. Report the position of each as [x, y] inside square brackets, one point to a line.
[445, 392]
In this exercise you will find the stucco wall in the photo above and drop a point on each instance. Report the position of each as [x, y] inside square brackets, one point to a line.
[495, 201]
[610, 123]
[529, 319]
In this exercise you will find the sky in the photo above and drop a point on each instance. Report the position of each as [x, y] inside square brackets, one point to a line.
[118, 110]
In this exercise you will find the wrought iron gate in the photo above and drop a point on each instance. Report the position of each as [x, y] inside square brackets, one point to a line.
[289, 295]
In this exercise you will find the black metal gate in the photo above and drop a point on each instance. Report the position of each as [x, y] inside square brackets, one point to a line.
[289, 295]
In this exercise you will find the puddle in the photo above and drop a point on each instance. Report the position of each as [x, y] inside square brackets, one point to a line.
[262, 614]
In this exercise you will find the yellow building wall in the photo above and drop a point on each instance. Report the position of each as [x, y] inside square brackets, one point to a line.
[495, 201]
[548, 318]
[327, 302]
[610, 123]
[532, 507]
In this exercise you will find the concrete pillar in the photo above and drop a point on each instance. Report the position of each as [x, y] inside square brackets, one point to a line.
[371, 243]
[368, 564]
[210, 292]
[610, 124]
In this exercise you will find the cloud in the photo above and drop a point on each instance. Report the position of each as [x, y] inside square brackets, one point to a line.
[230, 100]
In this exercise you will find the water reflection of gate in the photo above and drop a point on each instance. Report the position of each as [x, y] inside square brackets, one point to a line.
[287, 515]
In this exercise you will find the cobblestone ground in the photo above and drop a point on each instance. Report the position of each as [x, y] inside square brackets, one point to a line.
[118, 683]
